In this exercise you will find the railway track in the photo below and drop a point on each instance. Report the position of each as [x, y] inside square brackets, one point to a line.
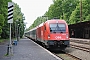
[63, 54]
[81, 44]
[80, 48]
[66, 56]
[82, 41]
[69, 56]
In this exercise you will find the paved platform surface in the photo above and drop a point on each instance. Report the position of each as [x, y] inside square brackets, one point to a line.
[27, 50]
[3, 51]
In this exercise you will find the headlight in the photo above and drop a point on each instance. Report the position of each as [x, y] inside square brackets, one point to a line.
[48, 36]
[67, 36]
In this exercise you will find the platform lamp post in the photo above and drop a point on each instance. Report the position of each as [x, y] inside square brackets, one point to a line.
[23, 25]
[15, 31]
[18, 32]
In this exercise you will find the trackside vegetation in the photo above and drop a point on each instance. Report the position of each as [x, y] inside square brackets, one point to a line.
[68, 10]
[18, 20]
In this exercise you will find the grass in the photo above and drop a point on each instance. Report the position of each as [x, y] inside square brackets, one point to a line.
[3, 40]
[8, 55]
[66, 57]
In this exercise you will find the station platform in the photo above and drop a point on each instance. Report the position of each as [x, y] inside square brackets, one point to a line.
[26, 49]
[80, 39]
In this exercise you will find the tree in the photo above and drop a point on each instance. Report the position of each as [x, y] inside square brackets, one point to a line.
[75, 16]
[1, 22]
[62, 9]
[18, 20]
[18, 15]
[68, 10]
[3, 14]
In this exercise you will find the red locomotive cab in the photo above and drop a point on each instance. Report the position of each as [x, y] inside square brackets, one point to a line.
[56, 32]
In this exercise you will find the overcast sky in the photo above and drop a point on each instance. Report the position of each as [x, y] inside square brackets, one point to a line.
[33, 9]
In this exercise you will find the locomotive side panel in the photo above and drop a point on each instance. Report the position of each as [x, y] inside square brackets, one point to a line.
[38, 33]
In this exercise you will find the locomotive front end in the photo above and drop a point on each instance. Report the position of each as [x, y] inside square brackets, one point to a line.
[59, 35]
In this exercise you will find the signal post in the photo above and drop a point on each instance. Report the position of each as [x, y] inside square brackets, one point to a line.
[10, 21]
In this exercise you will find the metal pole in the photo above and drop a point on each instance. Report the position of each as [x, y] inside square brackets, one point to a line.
[10, 34]
[10, 50]
[80, 10]
[19, 32]
[15, 31]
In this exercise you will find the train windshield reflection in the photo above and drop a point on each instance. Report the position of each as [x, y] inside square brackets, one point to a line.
[57, 28]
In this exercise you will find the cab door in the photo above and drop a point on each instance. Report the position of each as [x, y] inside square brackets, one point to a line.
[44, 31]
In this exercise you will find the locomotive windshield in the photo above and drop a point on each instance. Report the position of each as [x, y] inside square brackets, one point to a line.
[57, 27]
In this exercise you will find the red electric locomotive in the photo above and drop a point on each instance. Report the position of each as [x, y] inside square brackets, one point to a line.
[53, 33]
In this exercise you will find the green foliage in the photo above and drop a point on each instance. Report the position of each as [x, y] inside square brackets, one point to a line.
[68, 10]
[55, 10]
[39, 20]
[62, 9]
[4, 26]
[3, 16]
[75, 16]
[86, 10]
[1, 22]
[18, 20]
[87, 17]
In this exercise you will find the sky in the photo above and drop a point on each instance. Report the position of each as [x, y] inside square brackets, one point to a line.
[33, 9]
